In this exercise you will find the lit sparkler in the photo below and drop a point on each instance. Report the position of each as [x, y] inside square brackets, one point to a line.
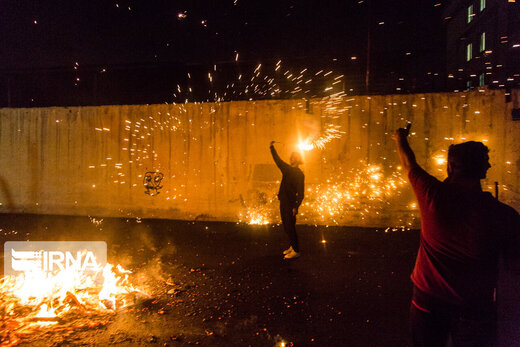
[330, 133]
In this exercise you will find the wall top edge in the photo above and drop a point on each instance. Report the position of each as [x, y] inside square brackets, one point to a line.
[480, 91]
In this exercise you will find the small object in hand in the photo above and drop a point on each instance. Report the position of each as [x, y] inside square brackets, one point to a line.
[408, 127]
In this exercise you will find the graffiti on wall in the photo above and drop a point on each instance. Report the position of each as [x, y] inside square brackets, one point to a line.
[152, 182]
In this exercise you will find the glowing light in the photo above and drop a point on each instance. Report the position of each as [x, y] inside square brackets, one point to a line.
[305, 146]
[53, 298]
[440, 159]
[257, 215]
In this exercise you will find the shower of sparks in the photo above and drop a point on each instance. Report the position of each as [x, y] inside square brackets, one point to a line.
[359, 195]
[364, 192]
[333, 108]
[259, 211]
[330, 133]
[260, 83]
[257, 216]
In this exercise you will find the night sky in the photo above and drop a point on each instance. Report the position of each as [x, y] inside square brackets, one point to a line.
[97, 32]
[119, 52]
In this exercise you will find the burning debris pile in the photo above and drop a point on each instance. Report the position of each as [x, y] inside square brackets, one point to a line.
[64, 300]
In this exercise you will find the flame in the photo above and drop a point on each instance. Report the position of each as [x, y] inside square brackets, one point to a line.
[38, 298]
[46, 312]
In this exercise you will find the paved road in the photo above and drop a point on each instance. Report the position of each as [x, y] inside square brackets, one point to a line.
[235, 288]
[232, 287]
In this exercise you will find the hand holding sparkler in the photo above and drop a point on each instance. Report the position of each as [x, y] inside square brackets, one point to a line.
[402, 133]
[408, 127]
[406, 155]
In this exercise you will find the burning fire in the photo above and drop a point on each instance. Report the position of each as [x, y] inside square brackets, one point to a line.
[36, 299]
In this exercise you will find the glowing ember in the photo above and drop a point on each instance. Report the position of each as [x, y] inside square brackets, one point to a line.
[362, 195]
[364, 192]
[257, 216]
[330, 133]
[440, 159]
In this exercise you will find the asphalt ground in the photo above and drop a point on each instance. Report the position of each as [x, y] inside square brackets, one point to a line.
[226, 284]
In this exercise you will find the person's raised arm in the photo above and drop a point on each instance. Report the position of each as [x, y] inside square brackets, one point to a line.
[282, 165]
[406, 155]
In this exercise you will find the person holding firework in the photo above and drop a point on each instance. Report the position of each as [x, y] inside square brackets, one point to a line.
[290, 194]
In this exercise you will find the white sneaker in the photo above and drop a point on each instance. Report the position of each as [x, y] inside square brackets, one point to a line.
[288, 250]
[292, 255]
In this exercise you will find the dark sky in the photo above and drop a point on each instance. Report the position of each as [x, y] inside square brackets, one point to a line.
[109, 32]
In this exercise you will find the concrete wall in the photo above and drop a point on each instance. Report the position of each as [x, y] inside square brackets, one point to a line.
[217, 166]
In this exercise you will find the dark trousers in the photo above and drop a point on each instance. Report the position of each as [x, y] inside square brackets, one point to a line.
[289, 223]
[433, 324]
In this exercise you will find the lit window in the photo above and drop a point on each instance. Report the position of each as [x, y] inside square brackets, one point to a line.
[483, 42]
[482, 79]
[469, 51]
[482, 5]
[470, 13]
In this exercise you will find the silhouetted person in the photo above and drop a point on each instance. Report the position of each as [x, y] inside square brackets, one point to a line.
[290, 195]
[464, 231]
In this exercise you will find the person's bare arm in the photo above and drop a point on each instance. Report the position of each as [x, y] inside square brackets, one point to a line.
[406, 155]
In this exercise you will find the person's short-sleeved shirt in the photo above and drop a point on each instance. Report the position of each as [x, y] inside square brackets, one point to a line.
[463, 233]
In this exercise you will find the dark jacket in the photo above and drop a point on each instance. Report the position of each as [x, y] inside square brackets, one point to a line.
[292, 185]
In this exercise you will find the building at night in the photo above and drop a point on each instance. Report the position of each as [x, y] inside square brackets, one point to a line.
[482, 43]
